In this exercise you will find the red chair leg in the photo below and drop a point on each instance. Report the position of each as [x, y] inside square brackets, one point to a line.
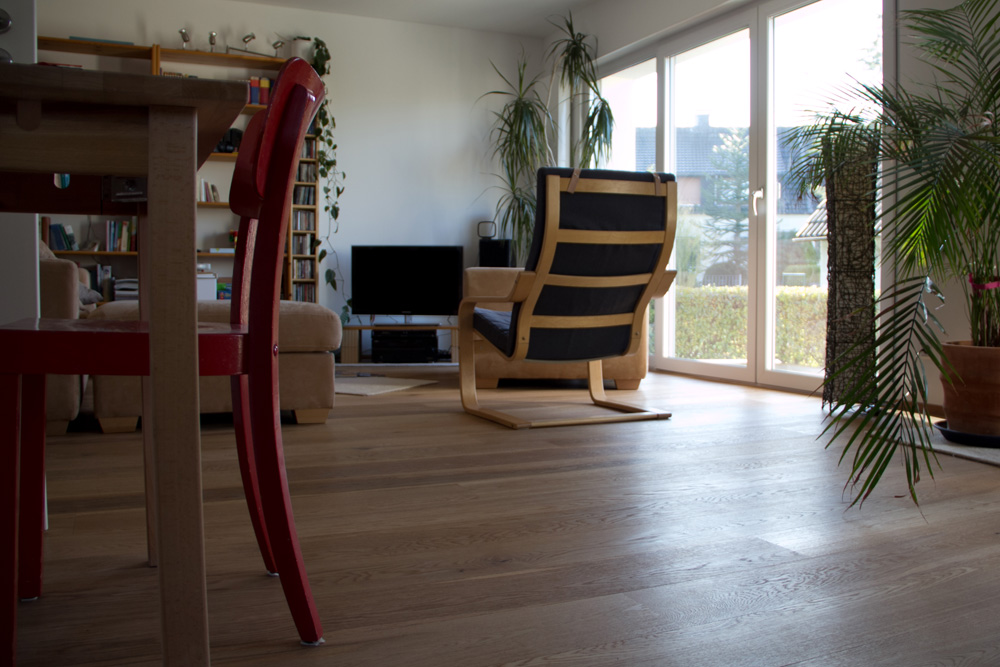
[277, 505]
[32, 498]
[248, 468]
[10, 413]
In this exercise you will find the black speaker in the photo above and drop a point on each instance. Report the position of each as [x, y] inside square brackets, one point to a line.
[494, 252]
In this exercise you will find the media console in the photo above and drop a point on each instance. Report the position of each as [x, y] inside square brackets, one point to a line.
[397, 343]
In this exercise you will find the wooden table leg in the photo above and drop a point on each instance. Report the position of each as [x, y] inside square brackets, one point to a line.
[168, 260]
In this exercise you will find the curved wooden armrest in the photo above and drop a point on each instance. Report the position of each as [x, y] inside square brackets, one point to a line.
[666, 280]
[518, 293]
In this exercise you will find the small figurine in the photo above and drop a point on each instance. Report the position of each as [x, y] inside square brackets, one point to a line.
[211, 41]
[185, 37]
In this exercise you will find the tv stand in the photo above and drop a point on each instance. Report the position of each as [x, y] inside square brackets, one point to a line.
[350, 349]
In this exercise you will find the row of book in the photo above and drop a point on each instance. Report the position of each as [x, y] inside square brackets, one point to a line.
[304, 195]
[306, 172]
[122, 235]
[308, 148]
[302, 244]
[61, 237]
[303, 221]
[304, 292]
[260, 90]
[208, 192]
[302, 269]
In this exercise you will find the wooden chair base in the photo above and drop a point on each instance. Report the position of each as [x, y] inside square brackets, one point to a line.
[619, 412]
[118, 424]
[312, 416]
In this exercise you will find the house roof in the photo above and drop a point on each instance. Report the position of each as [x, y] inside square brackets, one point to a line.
[815, 228]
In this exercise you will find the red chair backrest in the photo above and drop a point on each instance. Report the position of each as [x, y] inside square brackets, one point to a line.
[262, 185]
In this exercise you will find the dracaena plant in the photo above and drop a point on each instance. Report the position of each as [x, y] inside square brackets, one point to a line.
[939, 149]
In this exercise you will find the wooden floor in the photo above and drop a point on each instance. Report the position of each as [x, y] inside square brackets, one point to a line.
[435, 539]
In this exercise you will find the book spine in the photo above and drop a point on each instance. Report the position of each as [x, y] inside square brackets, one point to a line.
[265, 90]
[255, 90]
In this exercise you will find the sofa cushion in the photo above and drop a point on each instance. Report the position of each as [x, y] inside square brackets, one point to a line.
[302, 327]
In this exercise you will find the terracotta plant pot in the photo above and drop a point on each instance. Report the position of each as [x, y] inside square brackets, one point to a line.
[972, 401]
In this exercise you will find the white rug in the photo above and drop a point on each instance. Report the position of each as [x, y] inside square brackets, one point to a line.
[373, 385]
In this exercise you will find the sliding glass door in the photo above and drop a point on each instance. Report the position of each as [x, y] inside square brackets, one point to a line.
[714, 107]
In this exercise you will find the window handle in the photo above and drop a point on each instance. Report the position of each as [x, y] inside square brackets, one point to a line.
[758, 194]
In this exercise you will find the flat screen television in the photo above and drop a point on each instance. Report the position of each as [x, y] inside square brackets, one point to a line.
[406, 280]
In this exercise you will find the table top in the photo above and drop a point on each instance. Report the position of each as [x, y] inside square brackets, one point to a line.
[67, 92]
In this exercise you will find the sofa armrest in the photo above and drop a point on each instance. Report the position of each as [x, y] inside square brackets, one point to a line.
[59, 289]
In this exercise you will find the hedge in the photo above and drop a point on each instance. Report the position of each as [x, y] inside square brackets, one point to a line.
[712, 324]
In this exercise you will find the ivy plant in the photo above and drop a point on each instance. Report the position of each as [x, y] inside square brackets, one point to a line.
[330, 175]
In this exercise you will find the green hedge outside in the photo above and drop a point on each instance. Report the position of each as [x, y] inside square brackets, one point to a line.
[712, 324]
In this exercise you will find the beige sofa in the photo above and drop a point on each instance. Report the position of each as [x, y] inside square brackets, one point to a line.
[308, 334]
[491, 366]
[60, 293]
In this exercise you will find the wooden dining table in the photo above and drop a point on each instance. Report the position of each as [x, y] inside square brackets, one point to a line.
[92, 125]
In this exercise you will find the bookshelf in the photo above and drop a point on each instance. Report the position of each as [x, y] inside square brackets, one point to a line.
[301, 266]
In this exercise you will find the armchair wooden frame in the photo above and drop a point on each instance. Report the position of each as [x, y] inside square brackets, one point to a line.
[529, 285]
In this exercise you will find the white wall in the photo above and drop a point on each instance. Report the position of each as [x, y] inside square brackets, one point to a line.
[412, 136]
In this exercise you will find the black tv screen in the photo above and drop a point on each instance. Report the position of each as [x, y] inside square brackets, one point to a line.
[406, 280]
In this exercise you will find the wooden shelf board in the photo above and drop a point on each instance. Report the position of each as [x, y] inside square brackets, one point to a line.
[223, 157]
[213, 204]
[94, 253]
[95, 48]
[224, 59]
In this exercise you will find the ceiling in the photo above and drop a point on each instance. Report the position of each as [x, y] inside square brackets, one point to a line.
[517, 17]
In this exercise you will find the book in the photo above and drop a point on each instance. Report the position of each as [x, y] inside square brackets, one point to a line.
[265, 90]
[215, 193]
[255, 90]
[70, 238]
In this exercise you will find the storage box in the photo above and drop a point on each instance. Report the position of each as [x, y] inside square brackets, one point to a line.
[206, 286]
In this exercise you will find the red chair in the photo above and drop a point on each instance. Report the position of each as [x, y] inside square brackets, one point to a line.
[246, 349]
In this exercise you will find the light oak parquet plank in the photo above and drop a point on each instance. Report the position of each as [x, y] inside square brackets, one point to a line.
[719, 537]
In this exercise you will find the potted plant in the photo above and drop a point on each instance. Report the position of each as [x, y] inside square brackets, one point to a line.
[521, 129]
[939, 149]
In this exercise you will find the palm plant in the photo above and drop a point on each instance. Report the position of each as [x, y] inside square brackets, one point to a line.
[939, 149]
[521, 129]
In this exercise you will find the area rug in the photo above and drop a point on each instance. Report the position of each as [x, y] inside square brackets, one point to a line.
[374, 385]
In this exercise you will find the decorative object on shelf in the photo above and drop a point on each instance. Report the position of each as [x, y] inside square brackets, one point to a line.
[939, 149]
[211, 41]
[486, 229]
[230, 142]
[247, 38]
[277, 44]
[521, 128]
[185, 38]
